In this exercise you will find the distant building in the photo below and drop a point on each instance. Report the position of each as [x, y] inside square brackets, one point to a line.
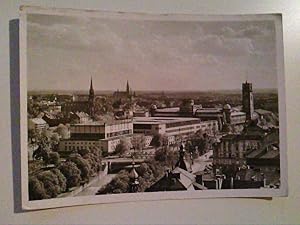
[106, 136]
[247, 100]
[54, 108]
[37, 124]
[224, 116]
[178, 179]
[54, 120]
[234, 149]
[186, 109]
[124, 95]
[176, 129]
[141, 113]
[81, 104]
[80, 117]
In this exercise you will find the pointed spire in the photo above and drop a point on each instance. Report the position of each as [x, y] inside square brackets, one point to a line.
[133, 177]
[91, 86]
[127, 87]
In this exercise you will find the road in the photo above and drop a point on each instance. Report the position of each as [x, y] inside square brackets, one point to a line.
[201, 162]
[92, 190]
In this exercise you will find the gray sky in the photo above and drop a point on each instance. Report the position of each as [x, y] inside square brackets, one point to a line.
[64, 52]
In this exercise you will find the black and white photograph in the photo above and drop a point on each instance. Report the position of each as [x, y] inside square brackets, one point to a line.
[124, 107]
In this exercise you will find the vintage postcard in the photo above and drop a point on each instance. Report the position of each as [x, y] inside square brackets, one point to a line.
[125, 107]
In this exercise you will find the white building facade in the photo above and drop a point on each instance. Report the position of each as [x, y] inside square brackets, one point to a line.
[174, 128]
[105, 136]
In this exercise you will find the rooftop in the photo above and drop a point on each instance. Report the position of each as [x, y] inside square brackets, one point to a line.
[173, 109]
[162, 120]
[237, 113]
[209, 110]
[38, 121]
[102, 123]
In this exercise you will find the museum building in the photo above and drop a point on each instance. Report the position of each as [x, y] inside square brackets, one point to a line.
[105, 136]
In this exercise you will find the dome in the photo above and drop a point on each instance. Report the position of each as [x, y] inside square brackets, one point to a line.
[227, 107]
[154, 107]
[133, 174]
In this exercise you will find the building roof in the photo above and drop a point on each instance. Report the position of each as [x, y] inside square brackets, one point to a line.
[186, 179]
[209, 110]
[271, 154]
[82, 114]
[198, 186]
[262, 111]
[162, 120]
[102, 123]
[38, 121]
[256, 153]
[167, 110]
[235, 113]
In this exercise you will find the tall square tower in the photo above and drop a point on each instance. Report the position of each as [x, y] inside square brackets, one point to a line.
[247, 100]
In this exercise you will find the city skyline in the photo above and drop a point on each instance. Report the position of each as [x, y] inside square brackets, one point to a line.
[165, 54]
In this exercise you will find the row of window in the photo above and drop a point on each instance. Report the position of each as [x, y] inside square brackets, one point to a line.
[119, 133]
[180, 129]
[73, 148]
[181, 123]
[79, 143]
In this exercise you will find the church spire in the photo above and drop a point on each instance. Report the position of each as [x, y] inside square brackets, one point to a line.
[91, 87]
[181, 161]
[127, 87]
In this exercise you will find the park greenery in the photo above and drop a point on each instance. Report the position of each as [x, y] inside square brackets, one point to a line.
[51, 174]
[149, 172]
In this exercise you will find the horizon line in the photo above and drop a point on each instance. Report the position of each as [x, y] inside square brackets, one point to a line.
[192, 90]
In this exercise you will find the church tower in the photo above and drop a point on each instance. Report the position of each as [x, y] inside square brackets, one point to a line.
[91, 100]
[247, 99]
[181, 163]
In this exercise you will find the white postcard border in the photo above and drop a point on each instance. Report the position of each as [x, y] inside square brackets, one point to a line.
[114, 198]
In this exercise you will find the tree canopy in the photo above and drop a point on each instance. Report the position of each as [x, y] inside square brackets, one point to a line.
[82, 164]
[122, 147]
[71, 172]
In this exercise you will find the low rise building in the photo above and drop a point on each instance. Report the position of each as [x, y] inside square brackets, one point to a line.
[80, 117]
[106, 136]
[234, 149]
[223, 115]
[37, 124]
[174, 128]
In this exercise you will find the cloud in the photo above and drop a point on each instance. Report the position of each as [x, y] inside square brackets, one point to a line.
[218, 45]
[175, 53]
[249, 31]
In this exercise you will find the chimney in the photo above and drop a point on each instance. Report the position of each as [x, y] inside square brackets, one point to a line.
[265, 182]
[231, 183]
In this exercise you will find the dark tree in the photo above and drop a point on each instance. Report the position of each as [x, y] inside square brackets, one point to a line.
[36, 189]
[138, 142]
[82, 164]
[116, 104]
[53, 158]
[148, 174]
[62, 180]
[122, 147]
[159, 140]
[51, 183]
[119, 184]
[166, 156]
[71, 172]
[63, 131]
